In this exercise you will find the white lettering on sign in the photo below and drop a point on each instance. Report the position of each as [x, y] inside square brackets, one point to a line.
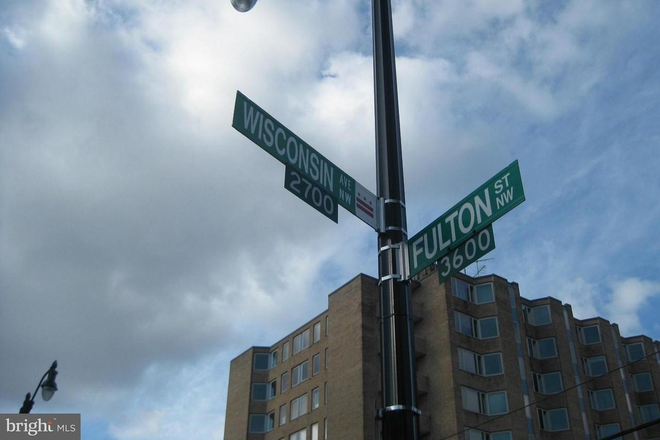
[289, 149]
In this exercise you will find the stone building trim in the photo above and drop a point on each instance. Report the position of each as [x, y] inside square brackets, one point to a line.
[619, 359]
[576, 372]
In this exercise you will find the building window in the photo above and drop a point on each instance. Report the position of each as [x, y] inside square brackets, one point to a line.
[317, 332]
[259, 391]
[316, 364]
[325, 393]
[484, 403]
[285, 382]
[601, 400]
[549, 383]
[484, 328]
[480, 294]
[298, 407]
[474, 434]
[272, 389]
[542, 348]
[260, 423]
[299, 435]
[553, 419]
[485, 365]
[649, 412]
[483, 293]
[642, 382]
[635, 351]
[285, 351]
[325, 359]
[301, 342]
[326, 325]
[315, 431]
[325, 429]
[283, 414]
[536, 316]
[300, 373]
[607, 430]
[315, 398]
[589, 335]
[273, 358]
[261, 361]
[595, 366]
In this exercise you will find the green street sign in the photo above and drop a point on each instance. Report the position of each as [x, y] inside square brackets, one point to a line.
[311, 193]
[467, 253]
[281, 143]
[489, 202]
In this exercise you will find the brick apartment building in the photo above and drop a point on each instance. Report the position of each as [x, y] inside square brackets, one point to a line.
[482, 351]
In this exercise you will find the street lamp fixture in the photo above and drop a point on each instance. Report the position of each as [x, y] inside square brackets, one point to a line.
[243, 5]
[48, 388]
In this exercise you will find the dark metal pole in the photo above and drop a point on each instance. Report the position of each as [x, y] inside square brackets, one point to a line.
[400, 416]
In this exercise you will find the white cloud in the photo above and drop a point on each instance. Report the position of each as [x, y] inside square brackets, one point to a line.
[629, 298]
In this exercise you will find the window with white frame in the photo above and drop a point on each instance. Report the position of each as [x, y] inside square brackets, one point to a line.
[315, 398]
[484, 403]
[484, 328]
[635, 351]
[479, 294]
[273, 358]
[326, 325]
[285, 351]
[317, 332]
[603, 431]
[489, 364]
[299, 373]
[316, 364]
[272, 389]
[285, 382]
[283, 415]
[589, 335]
[649, 412]
[642, 382]
[595, 366]
[548, 383]
[325, 393]
[315, 431]
[260, 423]
[539, 315]
[325, 359]
[298, 407]
[553, 419]
[259, 392]
[299, 435]
[325, 429]
[542, 348]
[300, 342]
[601, 400]
[475, 434]
[262, 361]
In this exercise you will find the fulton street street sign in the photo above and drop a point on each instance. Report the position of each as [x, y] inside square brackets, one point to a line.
[311, 193]
[489, 202]
[466, 253]
[281, 143]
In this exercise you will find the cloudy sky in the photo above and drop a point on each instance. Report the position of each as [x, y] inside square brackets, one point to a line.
[144, 243]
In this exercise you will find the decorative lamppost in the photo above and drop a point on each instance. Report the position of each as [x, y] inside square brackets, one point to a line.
[48, 388]
[399, 412]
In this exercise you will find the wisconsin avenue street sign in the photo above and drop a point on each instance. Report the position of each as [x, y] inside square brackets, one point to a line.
[467, 253]
[281, 143]
[489, 202]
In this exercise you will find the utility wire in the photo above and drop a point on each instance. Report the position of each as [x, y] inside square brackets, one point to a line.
[548, 397]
